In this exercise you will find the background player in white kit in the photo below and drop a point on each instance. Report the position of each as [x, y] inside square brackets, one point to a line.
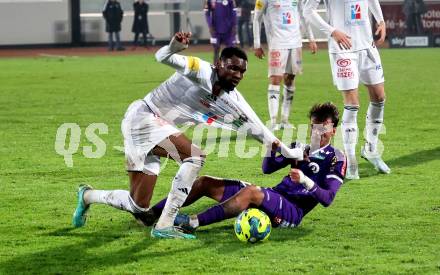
[196, 93]
[282, 22]
[353, 58]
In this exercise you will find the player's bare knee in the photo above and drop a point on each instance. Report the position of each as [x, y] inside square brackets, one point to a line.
[275, 79]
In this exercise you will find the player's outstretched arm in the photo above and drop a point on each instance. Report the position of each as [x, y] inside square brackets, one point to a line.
[167, 54]
[272, 162]
[261, 133]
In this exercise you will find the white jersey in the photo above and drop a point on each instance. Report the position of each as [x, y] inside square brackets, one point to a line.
[348, 16]
[282, 22]
[186, 97]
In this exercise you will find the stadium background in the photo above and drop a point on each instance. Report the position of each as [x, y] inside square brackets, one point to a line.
[64, 22]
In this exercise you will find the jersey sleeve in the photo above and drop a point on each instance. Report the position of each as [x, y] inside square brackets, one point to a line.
[208, 15]
[376, 10]
[305, 25]
[192, 67]
[272, 162]
[234, 13]
[325, 193]
[338, 166]
[260, 6]
[312, 16]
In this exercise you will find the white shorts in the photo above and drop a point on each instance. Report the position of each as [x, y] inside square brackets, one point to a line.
[350, 68]
[285, 61]
[142, 131]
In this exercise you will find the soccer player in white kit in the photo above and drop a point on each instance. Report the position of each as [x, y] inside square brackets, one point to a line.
[353, 58]
[282, 21]
[197, 93]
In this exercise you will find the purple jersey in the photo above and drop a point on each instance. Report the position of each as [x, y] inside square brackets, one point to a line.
[221, 15]
[326, 168]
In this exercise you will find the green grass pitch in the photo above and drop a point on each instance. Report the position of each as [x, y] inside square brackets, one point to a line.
[379, 224]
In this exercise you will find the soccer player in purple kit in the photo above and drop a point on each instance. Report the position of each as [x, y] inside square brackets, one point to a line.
[310, 182]
[221, 16]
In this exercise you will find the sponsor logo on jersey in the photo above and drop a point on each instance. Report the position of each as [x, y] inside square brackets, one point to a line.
[318, 156]
[287, 18]
[209, 118]
[314, 167]
[356, 13]
[343, 62]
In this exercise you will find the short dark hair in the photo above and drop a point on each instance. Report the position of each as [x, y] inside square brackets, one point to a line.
[323, 111]
[229, 52]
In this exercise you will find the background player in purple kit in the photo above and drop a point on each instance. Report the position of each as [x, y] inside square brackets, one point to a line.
[315, 180]
[221, 16]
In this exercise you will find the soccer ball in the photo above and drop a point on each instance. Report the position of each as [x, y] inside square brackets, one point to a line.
[252, 225]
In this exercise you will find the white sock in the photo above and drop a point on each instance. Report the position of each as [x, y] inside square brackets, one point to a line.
[273, 98]
[350, 131]
[373, 125]
[119, 199]
[288, 93]
[194, 221]
[180, 189]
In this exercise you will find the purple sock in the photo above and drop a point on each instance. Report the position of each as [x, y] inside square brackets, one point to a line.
[212, 215]
[158, 207]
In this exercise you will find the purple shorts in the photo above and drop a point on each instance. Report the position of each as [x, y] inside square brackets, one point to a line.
[281, 212]
[226, 39]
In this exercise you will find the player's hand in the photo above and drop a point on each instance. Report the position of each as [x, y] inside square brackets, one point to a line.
[343, 40]
[275, 145]
[295, 175]
[259, 53]
[298, 176]
[381, 31]
[313, 46]
[183, 37]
